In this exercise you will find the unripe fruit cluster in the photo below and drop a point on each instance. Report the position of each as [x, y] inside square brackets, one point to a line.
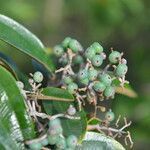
[86, 65]
[55, 137]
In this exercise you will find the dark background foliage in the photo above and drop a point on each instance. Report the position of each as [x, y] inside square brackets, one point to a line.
[121, 24]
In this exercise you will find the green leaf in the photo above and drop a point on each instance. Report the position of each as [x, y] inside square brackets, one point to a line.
[94, 121]
[18, 36]
[76, 127]
[8, 67]
[127, 90]
[99, 141]
[14, 119]
[56, 94]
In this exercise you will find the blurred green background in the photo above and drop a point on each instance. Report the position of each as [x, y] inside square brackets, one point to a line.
[121, 24]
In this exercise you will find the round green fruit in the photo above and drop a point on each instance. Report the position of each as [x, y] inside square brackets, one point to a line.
[53, 139]
[75, 46]
[58, 50]
[38, 77]
[121, 70]
[114, 57]
[109, 91]
[83, 74]
[61, 143]
[99, 86]
[92, 74]
[72, 141]
[35, 146]
[66, 41]
[106, 79]
[97, 60]
[67, 80]
[78, 59]
[98, 48]
[72, 87]
[90, 52]
[110, 116]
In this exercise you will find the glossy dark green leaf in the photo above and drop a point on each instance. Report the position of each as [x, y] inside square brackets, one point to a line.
[13, 66]
[16, 35]
[97, 141]
[76, 127]
[8, 67]
[13, 115]
[57, 94]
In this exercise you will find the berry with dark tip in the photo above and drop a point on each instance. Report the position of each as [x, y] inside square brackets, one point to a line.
[58, 50]
[114, 57]
[72, 141]
[72, 87]
[92, 74]
[99, 86]
[83, 74]
[38, 77]
[97, 60]
[106, 79]
[109, 116]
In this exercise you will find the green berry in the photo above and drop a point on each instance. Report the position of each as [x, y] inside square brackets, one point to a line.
[90, 52]
[114, 57]
[20, 84]
[71, 110]
[92, 74]
[109, 91]
[66, 41]
[58, 50]
[78, 59]
[56, 130]
[75, 46]
[84, 81]
[99, 86]
[106, 79]
[53, 139]
[54, 122]
[61, 143]
[44, 141]
[98, 48]
[121, 70]
[97, 60]
[67, 80]
[83, 74]
[35, 146]
[72, 87]
[72, 141]
[38, 77]
[110, 116]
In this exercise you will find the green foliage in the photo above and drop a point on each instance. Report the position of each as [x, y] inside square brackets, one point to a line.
[14, 118]
[19, 37]
[99, 141]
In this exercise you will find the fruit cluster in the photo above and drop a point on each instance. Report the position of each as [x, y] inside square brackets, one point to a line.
[82, 71]
[54, 137]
